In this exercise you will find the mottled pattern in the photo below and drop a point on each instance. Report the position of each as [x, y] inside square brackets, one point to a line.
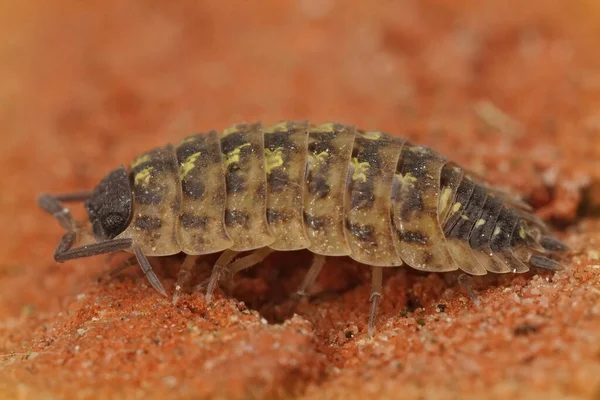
[451, 193]
[458, 237]
[335, 190]
[450, 179]
[415, 209]
[202, 175]
[482, 233]
[501, 240]
[156, 202]
[329, 149]
[246, 205]
[368, 198]
[461, 199]
[285, 160]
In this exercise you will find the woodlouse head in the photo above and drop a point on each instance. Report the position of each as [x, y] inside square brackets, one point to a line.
[110, 206]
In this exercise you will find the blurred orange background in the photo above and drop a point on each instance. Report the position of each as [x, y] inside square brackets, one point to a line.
[510, 89]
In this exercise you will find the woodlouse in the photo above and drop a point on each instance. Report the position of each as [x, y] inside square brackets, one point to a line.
[330, 188]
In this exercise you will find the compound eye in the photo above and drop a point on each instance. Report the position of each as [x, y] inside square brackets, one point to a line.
[113, 224]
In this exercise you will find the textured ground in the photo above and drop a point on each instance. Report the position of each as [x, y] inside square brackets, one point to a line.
[510, 89]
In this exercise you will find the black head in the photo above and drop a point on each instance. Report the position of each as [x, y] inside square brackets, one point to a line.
[110, 206]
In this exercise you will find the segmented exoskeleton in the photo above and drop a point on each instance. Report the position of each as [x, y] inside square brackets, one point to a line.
[331, 188]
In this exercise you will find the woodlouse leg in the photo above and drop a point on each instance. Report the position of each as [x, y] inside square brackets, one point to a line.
[184, 275]
[465, 281]
[311, 276]
[130, 261]
[219, 268]
[376, 289]
[65, 251]
[147, 269]
[225, 269]
[246, 262]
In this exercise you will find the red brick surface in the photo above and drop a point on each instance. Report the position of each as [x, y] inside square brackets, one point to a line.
[510, 89]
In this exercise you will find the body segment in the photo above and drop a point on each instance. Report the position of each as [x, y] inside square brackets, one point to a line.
[245, 174]
[156, 202]
[329, 149]
[202, 176]
[368, 199]
[421, 242]
[286, 152]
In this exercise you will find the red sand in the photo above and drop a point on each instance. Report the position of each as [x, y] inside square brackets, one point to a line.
[510, 89]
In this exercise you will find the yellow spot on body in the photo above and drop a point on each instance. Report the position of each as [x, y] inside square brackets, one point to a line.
[497, 231]
[371, 135]
[143, 177]
[419, 149]
[360, 169]
[522, 232]
[407, 179]
[229, 131]
[140, 160]
[317, 159]
[456, 207]
[188, 165]
[480, 222]
[445, 199]
[273, 159]
[465, 217]
[233, 156]
[326, 127]
[279, 127]
[188, 140]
